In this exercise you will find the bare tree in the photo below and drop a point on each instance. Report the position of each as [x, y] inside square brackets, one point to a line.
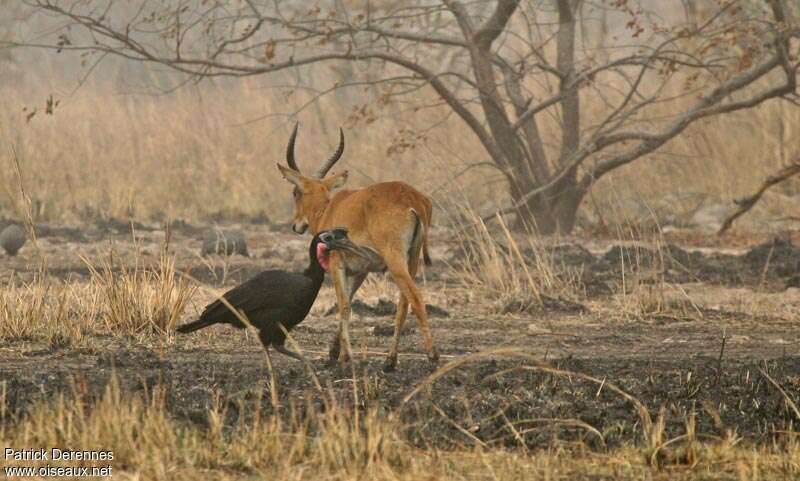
[552, 115]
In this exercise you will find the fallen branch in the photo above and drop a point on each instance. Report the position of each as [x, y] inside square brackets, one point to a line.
[747, 203]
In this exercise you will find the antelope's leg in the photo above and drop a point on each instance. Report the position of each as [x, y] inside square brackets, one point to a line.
[399, 322]
[427, 337]
[340, 346]
[399, 268]
[351, 285]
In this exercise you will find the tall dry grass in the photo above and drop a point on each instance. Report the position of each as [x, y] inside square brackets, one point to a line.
[194, 154]
[145, 439]
[209, 151]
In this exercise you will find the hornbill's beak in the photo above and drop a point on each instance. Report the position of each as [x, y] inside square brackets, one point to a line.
[336, 239]
[335, 236]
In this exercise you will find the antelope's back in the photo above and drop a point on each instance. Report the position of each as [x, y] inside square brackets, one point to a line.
[379, 214]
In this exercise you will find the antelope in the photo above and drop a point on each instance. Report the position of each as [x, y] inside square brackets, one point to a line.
[391, 218]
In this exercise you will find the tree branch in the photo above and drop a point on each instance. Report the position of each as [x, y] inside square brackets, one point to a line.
[705, 108]
[747, 203]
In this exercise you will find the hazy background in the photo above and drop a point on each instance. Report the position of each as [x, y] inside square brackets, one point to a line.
[130, 139]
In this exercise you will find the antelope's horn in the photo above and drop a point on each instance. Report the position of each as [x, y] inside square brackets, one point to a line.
[333, 158]
[290, 149]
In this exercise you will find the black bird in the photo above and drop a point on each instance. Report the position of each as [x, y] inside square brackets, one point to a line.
[276, 297]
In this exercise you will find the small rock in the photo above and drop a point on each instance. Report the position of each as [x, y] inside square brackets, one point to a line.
[12, 239]
[436, 311]
[361, 308]
[224, 242]
[710, 217]
[572, 255]
[533, 328]
[548, 304]
[779, 254]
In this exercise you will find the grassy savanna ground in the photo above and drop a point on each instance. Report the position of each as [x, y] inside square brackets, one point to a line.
[634, 363]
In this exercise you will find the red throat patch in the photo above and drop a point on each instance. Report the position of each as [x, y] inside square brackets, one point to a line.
[322, 256]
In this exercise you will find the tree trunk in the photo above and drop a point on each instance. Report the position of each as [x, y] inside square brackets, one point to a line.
[551, 212]
[554, 211]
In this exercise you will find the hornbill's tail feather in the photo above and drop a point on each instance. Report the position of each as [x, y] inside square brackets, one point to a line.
[196, 325]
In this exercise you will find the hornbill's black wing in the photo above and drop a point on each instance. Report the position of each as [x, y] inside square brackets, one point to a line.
[277, 291]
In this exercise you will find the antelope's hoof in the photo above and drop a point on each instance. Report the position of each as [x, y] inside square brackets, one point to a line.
[433, 356]
[333, 353]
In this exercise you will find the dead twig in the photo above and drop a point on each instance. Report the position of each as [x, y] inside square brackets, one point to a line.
[719, 359]
[27, 204]
[789, 401]
[463, 431]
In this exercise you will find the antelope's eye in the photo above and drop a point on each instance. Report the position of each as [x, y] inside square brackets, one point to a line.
[296, 192]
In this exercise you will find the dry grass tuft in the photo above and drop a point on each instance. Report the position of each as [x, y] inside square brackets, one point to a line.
[643, 289]
[46, 309]
[511, 270]
[141, 299]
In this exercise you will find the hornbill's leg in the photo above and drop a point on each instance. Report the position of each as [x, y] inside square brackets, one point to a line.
[284, 350]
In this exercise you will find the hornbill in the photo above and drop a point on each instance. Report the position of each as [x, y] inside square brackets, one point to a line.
[273, 298]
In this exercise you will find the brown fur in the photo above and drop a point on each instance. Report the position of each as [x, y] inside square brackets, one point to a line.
[383, 216]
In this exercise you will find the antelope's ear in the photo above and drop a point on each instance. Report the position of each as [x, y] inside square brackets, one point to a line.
[336, 180]
[291, 175]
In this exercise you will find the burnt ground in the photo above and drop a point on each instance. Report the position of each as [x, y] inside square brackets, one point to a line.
[712, 349]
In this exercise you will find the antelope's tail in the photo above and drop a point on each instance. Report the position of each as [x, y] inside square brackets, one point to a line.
[419, 238]
[426, 258]
[426, 225]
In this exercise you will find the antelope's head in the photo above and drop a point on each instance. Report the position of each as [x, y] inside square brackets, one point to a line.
[311, 194]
